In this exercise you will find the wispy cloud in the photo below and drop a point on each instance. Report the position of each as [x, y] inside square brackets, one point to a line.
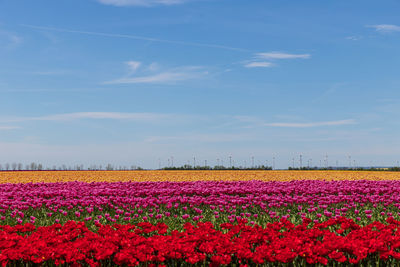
[385, 28]
[259, 122]
[146, 3]
[133, 65]
[259, 64]
[280, 55]
[136, 37]
[203, 138]
[9, 40]
[139, 116]
[310, 124]
[50, 72]
[166, 76]
[259, 59]
[354, 38]
[153, 67]
[5, 128]
[104, 115]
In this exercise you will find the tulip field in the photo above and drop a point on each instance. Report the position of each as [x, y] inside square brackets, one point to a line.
[201, 218]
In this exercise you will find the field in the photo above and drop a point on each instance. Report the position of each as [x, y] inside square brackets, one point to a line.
[171, 218]
[181, 176]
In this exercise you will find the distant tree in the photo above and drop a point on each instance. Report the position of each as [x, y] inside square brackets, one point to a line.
[109, 167]
[1, 167]
[33, 166]
[19, 167]
[40, 167]
[7, 166]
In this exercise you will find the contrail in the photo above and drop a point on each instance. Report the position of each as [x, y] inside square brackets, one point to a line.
[136, 37]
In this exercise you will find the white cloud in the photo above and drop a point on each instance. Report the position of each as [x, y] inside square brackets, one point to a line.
[385, 28]
[50, 72]
[164, 77]
[153, 67]
[9, 40]
[5, 128]
[145, 117]
[203, 138]
[251, 122]
[259, 59]
[280, 55]
[310, 124]
[141, 2]
[259, 64]
[136, 37]
[167, 76]
[354, 38]
[103, 115]
[133, 65]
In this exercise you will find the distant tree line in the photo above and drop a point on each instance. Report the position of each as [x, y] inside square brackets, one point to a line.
[110, 167]
[216, 167]
[39, 167]
[392, 169]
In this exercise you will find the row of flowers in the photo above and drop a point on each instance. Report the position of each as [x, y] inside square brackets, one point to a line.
[180, 176]
[218, 202]
[338, 240]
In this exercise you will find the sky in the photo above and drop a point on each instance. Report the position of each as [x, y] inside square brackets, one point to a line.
[148, 82]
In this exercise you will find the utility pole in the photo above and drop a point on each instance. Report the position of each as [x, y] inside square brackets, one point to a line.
[172, 161]
[230, 161]
[252, 162]
[273, 163]
[293, 163]
[194, 162]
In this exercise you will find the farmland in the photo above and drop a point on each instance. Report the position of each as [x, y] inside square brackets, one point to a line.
[199, 217]
[181, 176]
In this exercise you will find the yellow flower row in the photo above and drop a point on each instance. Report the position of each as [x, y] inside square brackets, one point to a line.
[180, 176]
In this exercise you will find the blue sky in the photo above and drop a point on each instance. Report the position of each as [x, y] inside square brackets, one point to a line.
[136, 82]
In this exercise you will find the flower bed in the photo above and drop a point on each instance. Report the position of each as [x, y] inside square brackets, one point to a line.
[338, 240]
[173, 223]
[217, 202]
